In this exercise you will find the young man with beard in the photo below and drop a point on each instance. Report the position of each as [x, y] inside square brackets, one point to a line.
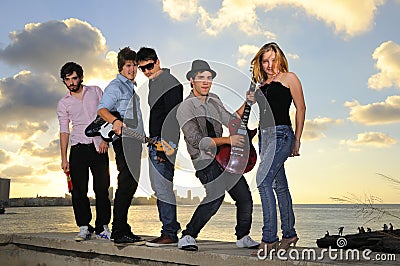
[165, 94]
[120, 96]
[79, 107]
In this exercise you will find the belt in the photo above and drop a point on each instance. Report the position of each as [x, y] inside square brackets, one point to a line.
[83, 145]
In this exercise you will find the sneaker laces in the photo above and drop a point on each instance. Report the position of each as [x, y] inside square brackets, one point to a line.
[250, 241]
[106, 229]
[106, 233]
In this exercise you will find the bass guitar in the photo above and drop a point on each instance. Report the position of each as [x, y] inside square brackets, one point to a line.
[102, 128]
[239, 160]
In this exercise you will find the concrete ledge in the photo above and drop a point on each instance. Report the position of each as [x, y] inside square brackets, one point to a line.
[61, 249]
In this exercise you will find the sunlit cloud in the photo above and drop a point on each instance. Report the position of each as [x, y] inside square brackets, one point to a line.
[245, 52]
[33, 149]
[349, 18]
[18, 171]
[371, 139]
[180, 9]
[314, 129]
[379, 113]
[51, 166]
[45, 47]
[387, 57]
[4, 157]
[241, 14]
[23, 97]
[23, 129]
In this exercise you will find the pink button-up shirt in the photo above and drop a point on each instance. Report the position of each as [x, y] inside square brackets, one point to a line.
[81, 113]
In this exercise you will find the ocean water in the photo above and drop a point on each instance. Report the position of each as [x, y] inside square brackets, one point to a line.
[312, 220]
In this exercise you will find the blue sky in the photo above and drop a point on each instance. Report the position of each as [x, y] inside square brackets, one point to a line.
[346, 54]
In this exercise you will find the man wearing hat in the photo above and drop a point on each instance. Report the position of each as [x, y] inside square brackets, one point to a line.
[201, 116]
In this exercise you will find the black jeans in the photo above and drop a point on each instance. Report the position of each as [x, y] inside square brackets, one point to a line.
[216, 182]
[83, 157]
[128, 154]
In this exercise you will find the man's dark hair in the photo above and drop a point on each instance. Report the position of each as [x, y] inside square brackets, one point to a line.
[124, 55]
[69, 68]
[145, 54]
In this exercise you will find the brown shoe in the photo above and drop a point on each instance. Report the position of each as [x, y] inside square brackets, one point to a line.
[287, 242]
[161, 241]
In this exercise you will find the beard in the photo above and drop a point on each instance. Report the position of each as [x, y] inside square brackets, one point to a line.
[76, 88]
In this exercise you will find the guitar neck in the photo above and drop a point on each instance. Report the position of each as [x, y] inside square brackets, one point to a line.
[247, 107]
[134, 134]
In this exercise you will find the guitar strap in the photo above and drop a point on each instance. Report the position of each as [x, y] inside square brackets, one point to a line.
[210, 129]
[131, 120]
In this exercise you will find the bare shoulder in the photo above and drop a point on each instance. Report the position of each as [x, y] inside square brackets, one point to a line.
[291, 79]
[290, 76]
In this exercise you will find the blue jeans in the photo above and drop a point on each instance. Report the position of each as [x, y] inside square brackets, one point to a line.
[275, 144]
[161, 178]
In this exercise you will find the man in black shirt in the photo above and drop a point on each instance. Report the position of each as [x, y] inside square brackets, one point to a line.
[165, 94]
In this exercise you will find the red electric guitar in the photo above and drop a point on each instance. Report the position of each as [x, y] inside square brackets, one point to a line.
[239, 160]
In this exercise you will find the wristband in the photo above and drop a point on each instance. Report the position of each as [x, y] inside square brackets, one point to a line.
[114, 121]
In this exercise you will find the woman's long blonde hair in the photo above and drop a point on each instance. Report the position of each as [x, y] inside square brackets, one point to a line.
[259, 75]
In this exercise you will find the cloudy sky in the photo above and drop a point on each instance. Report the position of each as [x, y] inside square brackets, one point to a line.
[346, 54]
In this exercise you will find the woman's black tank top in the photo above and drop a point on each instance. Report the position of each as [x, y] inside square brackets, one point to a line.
[275, 98]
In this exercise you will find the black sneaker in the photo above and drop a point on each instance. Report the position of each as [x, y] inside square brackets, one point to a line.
[129, 238]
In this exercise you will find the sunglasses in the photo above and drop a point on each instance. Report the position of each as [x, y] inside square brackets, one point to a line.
[149, 66]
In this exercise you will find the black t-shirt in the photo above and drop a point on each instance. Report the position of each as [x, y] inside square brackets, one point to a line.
[165, 93]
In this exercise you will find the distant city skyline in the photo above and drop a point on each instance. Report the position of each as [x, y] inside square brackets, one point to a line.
[66, 200]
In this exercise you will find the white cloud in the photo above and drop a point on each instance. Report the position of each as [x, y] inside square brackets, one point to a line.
[379, 113]
[245, 52]
[387, 57]
[372, 139]
[347, 17]
[180, 9]
[45, 47]
[233, 12]
[314, 129]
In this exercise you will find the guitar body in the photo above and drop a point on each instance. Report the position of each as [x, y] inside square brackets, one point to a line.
[238, 160]
[100, 127]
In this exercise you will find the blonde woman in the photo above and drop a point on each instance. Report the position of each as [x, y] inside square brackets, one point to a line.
[277, 141]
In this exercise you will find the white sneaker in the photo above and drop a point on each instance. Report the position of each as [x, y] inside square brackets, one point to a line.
[187, 243]
[247, 242]
[83, 234]
[105, 234]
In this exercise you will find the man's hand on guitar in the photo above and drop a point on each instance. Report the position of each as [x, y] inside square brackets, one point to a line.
[117, 127]
[237, 140]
